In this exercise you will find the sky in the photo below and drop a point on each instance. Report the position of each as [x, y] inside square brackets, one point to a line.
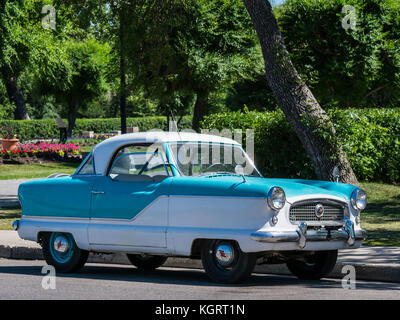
[276, 2]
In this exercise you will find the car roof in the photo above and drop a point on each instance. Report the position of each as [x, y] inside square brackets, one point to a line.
[105, 149]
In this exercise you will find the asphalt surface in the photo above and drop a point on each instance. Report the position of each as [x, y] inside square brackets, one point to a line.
[9, 192]
[21, 279]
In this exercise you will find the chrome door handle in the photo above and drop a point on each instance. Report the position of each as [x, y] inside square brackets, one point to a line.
[98, 192]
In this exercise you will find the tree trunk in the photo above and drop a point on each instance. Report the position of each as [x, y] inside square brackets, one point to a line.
[122, 73]
[14, 94]
[72, 114]
[167, 111]
[309, 121]
[199, 110]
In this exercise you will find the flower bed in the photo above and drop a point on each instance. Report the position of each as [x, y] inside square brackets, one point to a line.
[49, 151]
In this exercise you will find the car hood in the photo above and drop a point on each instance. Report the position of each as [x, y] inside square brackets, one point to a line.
[236, 186]
[299, 187]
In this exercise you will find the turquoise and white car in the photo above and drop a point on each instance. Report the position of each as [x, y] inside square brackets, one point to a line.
[156, 195]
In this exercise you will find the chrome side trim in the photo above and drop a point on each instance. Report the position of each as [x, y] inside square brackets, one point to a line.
[53, 218]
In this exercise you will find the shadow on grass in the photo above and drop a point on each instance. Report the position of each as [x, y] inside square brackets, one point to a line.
[383, 209]
[383, 237]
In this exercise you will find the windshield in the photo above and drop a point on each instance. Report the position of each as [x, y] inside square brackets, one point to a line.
[203, 159]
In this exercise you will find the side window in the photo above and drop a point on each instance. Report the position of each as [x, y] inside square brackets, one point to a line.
[138, 163]
[87, 168]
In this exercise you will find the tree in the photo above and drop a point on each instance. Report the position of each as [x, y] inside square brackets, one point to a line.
[115, 22]
[252, 93]
[189, 47]
[153, 63]
[86, 64]
[220, 47]
[352, 68]
[305, 115]
[28, 51]
[14, 51]
[171, 48]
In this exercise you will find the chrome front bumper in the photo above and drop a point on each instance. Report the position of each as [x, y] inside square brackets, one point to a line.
[302, 235]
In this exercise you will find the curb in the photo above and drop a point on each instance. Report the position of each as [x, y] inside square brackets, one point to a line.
[371, 272]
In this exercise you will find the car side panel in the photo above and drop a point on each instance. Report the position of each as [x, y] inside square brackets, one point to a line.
[207, 217]
[58, 204]
[129, 213]
[58, 197]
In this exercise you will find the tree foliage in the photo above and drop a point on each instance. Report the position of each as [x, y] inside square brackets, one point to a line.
[86, 63]
[358, 67]
[188, 47]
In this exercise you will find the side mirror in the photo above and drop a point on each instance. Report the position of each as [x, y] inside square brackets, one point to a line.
[239, 169]
[336, 173]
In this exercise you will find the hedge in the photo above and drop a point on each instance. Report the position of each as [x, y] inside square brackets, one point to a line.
[369, 137]
[48, 128]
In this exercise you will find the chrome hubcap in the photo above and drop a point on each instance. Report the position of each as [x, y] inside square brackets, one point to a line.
[61, 244]
[224, 254]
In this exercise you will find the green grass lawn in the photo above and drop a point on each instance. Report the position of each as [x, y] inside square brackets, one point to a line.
[85, 145]
[381, 218]
[7, 216]
[37, 170]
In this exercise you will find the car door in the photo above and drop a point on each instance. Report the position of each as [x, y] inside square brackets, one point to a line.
[130, 203]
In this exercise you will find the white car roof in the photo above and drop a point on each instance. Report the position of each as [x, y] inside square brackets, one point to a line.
[104, 150]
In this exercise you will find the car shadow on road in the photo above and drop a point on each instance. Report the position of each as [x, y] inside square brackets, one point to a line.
[189, 277]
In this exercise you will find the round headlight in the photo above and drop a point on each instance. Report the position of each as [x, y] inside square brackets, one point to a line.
[276, 198]
[359, 199]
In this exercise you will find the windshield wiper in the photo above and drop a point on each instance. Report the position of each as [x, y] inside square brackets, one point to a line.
[147, 163]
[203, 174]
[225, 173]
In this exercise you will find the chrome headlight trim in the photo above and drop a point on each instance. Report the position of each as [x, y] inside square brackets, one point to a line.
[358, 199]
[276, 198]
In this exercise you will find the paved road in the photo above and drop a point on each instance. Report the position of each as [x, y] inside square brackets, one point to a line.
[22, 279]
[9, 192]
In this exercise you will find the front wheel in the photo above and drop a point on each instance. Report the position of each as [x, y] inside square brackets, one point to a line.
[224, 262]
[146, 262]
[315, 266]
[61, 252]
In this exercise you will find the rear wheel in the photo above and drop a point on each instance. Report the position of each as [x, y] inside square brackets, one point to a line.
[224, 262]
[314, 267]
[146, 262]
[61, 252]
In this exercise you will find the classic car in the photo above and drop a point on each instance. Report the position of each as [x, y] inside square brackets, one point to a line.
[162, 194]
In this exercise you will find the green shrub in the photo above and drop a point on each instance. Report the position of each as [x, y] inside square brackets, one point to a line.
[369, 137]
[48, 128]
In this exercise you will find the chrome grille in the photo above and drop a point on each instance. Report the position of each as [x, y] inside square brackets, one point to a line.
[305, 211]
